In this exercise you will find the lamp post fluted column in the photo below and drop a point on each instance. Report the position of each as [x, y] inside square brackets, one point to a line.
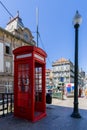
[77, 21]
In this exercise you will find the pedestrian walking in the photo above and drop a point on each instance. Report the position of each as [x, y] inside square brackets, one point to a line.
[80, 92]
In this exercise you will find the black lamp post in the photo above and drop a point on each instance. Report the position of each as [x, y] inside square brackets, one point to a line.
[76, 21]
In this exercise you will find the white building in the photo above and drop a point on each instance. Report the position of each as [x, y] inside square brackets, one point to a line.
[63, 71]
[49, 77]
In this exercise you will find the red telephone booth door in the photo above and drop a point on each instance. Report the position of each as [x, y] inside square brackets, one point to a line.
[40, 99]
[23, 94]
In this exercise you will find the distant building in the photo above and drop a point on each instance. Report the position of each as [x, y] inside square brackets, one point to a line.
[49, 77]
[82, 73]
[63, 71]
[82, 78]
[48, 71]
[13, 36]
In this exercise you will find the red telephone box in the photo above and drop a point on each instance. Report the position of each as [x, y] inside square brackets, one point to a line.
[29, 83]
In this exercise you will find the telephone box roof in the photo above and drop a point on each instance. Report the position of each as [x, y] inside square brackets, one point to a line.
[28, 49]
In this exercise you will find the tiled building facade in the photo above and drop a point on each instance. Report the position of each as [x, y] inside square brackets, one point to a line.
[63, 71]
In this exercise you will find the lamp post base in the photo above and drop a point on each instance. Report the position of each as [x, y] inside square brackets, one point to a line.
[75, 115]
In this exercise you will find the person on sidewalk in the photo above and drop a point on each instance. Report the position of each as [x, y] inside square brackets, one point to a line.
[80, 92]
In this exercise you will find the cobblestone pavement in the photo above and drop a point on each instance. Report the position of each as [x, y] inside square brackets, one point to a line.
[58, 118]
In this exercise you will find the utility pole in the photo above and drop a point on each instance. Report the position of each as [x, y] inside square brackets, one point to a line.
[37, 25]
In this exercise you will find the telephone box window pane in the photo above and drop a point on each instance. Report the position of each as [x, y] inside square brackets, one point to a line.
[23, 77]
[38, 84]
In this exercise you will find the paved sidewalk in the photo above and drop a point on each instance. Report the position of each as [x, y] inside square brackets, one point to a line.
[58, 118]
[69, 102]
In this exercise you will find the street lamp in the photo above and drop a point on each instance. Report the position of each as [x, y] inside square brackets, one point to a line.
[76, 21]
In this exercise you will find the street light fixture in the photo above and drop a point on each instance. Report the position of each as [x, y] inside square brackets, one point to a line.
[76, 21]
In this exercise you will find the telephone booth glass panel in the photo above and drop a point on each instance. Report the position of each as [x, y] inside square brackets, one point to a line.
[38, 84]
[23, 77]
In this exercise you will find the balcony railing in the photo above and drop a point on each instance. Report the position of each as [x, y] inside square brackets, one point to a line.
[6, 103]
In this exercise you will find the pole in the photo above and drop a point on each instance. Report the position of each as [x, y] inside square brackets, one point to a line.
[75, 113]
[37, 36]
[37, 24]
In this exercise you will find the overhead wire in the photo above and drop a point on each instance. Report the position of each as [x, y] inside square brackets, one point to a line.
[32, 32]
[44, 49]
[6, 9]
[8, 12]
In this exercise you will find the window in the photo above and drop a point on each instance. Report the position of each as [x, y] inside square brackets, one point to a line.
[26, 37]
[8, 87]
[7, 48]
[8, 66]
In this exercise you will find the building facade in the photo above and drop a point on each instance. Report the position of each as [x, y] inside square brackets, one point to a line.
[12, 37]
[63, 71]
[49, 77]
